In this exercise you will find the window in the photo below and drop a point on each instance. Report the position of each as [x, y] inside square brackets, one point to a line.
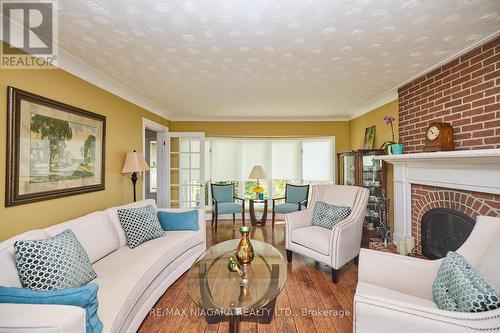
[298, 161]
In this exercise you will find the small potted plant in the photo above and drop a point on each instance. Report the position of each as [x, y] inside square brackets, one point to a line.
[392, 146]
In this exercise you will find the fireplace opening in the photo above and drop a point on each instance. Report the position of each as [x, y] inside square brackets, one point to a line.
[444, 230]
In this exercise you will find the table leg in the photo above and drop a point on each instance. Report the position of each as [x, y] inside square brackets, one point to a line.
[234, 324]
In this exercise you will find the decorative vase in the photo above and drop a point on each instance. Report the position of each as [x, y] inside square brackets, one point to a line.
[261, 196]
[244, 251]
[397, 149]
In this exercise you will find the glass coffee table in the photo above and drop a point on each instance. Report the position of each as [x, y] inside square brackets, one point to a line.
[224, 295]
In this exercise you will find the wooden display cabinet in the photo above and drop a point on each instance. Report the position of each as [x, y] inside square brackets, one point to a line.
[359, 168]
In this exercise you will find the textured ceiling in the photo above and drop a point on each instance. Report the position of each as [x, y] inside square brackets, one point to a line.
[269, 58]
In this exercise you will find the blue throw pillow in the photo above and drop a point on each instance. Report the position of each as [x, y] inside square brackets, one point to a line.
[179, 221]
[458, 287]
[84, 297]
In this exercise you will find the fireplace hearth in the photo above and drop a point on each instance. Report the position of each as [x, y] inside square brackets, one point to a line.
[443, 230]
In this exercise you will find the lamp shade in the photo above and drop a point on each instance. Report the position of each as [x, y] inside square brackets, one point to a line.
[134, 162]
[257, 173]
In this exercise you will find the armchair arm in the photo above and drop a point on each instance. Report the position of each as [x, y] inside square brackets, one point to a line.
[296, 220]
[408, 275]
[241, 199]
[42, 318]
[276, 199]
[303, 203]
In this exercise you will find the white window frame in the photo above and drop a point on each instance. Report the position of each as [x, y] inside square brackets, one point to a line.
[270, 178]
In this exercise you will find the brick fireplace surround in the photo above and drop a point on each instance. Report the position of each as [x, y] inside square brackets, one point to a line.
[424, 198]
[464, 92]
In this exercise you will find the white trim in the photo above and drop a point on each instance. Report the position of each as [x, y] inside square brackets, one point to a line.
[259, 119]
[77, 67]
[472, 170]
[392, 94]
[158, 128]
[375, 103]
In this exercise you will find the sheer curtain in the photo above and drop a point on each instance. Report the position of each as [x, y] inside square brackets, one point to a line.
[298, 160]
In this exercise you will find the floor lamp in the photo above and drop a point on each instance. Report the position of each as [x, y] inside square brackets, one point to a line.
[134, 163]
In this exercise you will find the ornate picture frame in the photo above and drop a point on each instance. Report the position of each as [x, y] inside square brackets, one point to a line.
[53, 149]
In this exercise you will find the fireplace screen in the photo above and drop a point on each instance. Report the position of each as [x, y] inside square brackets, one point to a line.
[444, 230]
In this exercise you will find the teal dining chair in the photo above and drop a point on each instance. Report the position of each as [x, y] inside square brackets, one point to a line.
[224, 202]
[296, 197]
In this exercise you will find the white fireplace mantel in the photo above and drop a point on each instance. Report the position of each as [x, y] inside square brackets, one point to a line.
[472, 170]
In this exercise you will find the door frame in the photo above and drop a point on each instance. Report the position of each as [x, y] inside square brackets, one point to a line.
[165, 200]
[158, 128]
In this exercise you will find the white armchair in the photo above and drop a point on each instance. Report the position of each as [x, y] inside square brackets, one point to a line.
[334, 247]
[394, 292]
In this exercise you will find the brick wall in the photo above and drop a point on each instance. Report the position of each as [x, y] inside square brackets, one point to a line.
[425, 197]
[464, 92]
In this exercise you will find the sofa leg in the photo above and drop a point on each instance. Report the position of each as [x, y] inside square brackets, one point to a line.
[335, 275]
[356, 260]
[289, 255]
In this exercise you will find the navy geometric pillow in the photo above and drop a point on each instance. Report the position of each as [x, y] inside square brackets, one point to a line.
[326, 215]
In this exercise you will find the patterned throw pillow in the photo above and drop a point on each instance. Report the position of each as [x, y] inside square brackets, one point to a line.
[55, 263]
[326, 215]
[458, 287]
[140, 225]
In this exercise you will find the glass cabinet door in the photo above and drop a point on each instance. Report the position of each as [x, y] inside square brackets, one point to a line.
[349, 170]
[372, 180]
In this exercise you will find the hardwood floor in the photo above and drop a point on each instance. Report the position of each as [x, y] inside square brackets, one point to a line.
[309, 303]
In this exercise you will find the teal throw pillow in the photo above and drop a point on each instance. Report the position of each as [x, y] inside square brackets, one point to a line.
[140, 225]
[84, 297]
[458, 287]
[179, 221]
[326, 215]
[55, 263]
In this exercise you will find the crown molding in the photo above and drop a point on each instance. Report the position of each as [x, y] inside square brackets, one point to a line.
[377, 102]
[452, 57]
[71, 64]
[260, 119]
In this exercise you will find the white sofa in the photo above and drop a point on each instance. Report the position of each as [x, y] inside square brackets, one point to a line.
[335, 247]
[394, 292]
[130, 280]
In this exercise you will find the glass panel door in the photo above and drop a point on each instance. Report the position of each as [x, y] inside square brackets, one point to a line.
[186, 170]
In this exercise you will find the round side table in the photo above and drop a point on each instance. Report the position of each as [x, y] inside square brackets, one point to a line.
[253, 218]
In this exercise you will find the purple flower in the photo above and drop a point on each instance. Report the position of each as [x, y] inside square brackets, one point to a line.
[388, 119]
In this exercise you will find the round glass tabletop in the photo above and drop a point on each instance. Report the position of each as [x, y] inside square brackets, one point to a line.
[213, 286]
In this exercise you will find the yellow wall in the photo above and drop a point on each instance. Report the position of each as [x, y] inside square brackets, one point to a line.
[339, 129]
[382, 133]
[123, 133]
[376, 117]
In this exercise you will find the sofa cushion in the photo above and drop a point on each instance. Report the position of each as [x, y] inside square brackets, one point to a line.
[286, 208]
[86, 228]
[113, 217]
[458, 287]
[489, 267]
[326, 215]
[140, 225]
[9, 276]
[126, 273]
[54, 263]
[313, 237]
[229, 208]
[84, 297]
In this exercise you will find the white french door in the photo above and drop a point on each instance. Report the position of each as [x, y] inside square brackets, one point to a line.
[185, 159]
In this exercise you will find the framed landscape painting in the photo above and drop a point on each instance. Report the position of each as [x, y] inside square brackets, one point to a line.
[53, 149]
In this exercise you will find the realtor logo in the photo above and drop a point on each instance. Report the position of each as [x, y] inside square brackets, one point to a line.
[29, 32]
